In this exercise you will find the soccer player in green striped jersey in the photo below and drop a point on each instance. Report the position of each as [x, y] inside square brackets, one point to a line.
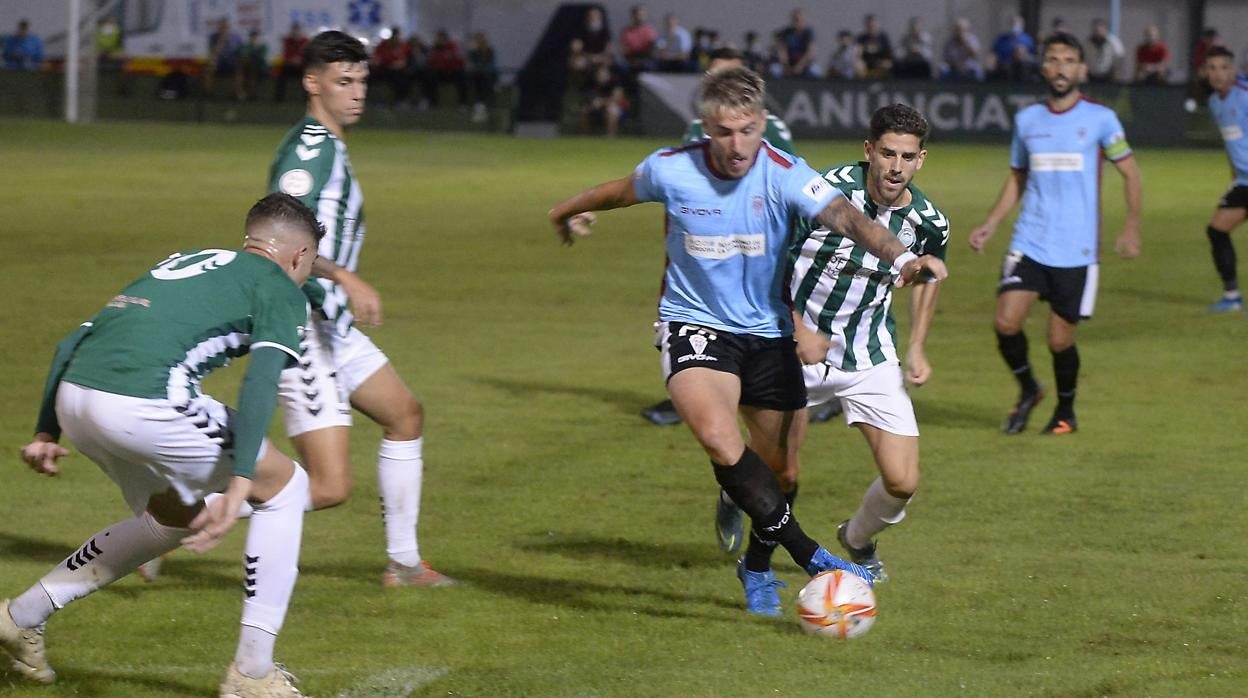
[844, 326]
[341, 368]
[125, 389]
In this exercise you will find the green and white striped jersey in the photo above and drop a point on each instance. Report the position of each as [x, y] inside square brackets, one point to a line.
[191, 314]
[845, 291]
[312, 165]
[776, 132]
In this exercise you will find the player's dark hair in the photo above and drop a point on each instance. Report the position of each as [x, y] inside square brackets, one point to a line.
[899, 118]
[284, 208]
[1061, 39]
[1219, 51]
[333, 46]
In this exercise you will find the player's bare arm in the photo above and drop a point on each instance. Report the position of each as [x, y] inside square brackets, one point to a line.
[570, 216]
[812, 347]
[365, 300]
[1011, 192]
[922, 311]
[1128, 243]
[843, 217]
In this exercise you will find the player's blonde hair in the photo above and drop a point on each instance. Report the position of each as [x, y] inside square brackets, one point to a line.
[738, 90]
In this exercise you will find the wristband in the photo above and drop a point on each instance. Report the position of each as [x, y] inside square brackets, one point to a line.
[901, 261]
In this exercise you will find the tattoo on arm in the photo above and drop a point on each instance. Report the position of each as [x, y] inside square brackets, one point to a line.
[842, 217]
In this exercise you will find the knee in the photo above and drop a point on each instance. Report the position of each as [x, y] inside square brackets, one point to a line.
[408, 421]
[722, 445]
[328, 494]
[903, 482]
[1006, 325]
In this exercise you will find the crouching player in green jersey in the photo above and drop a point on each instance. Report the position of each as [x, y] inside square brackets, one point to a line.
[846, 333]
[125, 389]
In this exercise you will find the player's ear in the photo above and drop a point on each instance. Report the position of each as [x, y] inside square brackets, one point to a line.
[920, 160]
[867, 148]
[310, 85]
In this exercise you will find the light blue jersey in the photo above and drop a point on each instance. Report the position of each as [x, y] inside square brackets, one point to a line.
[1230, 113]
[727, 239]
[1060, 219]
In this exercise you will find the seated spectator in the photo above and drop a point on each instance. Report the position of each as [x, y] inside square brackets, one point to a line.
[915, 59]
[961, 54]
[23, 50]
[877, 50]
[753, 53]
[418, 72]
[675, 47]
[705, 42]
[595, 38]
[799, 47]
[846, 61]
[1014, 53]
[777, 56]
[1152, 58]
[580, 68]
[446, 64]
[292, 60]
[482, 75]
[225, 54]
[255, 63]
[1105, 53]
[108, 41]
[391, 65]
[605, 104]
[1057, 26]
[638, 41]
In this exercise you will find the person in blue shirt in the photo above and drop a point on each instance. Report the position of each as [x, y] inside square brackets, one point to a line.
[1228, 104]
[1055, 169]
[23, 50]
[1014, 51]
[725, 330]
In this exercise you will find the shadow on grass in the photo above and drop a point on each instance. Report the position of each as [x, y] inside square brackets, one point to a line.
[639, 554]
[624, 400]
[91, 682]
[938, 413]
[13, 545]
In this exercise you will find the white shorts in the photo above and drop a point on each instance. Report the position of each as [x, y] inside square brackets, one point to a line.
[876, 396]
[316, 393]
[147, 446]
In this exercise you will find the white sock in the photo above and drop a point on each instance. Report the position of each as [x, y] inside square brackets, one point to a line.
[399, 473]
[270, 566]
[244, 510]
[106, 557]
[878, 511]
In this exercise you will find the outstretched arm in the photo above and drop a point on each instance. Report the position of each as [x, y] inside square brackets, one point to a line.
[1011, 191]
[1128, 243]
[565, 216]
[844, 218]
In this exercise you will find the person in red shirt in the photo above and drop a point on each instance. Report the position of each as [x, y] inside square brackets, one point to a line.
[292, 60]
[446, 64]
[390, 64]
[637, 41]
[1152, 58]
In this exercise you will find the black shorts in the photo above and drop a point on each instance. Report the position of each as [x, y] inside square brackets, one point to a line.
[1070, 291]
[1235, 197]
[770, 372]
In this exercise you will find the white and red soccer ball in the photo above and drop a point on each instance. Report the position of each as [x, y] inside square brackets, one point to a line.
[836, 604]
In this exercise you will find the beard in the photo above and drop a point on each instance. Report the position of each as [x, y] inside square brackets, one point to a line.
[1056, 93]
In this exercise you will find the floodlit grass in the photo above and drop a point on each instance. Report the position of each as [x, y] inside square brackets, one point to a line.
[1110, 562]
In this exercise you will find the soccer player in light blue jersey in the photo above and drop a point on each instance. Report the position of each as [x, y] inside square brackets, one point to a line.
[1055, 163]
[725, 326]
[1229, 106]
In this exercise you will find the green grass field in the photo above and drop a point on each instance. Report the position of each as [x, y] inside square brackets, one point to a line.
[1106, 563]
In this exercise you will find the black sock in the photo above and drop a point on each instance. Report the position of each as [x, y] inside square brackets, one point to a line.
[754, 488]
[1223, 258]
[758, 552]
[1013, 348]
[1066, 373]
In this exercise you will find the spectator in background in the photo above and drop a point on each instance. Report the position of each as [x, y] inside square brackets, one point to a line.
[754, 54]
[225, 54]
[391, 64]
[23, 50]
[675, 47]
[595, 39]
[292, 60]
[777, 56]
[877, 50]
[638, 41]
[1152, 58]
[1014, 52]
[705, 41]
[418, 72]
[255, 63]
[961, 54]
[799, 47]
[1057, 26]
[108, 41]
[1105, 53]
[846, 60]
[482, 75]
[917, 53]
[447, 64]
[605, 103]
[579, 66]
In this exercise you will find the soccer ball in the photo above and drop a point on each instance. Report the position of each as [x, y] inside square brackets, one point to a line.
[837, 604]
